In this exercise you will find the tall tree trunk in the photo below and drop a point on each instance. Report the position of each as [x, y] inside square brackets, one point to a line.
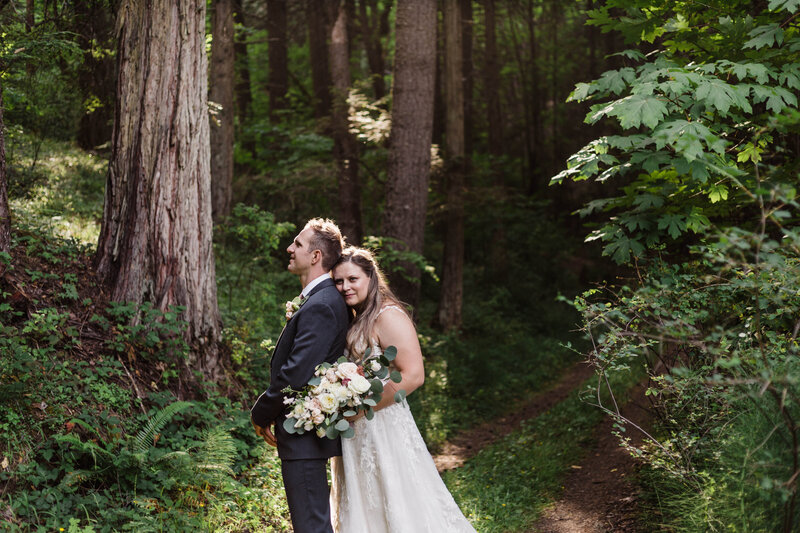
[222, 79]
[534, 133]
[438, 99]
[93, 25]
[243, 95]
[278, 58]
[5, 212]
[318, 50]
[492, 84]
[155, 239]
[467, 24]
[345, 146]
[408, 169]
[371, 24]
[451, 300]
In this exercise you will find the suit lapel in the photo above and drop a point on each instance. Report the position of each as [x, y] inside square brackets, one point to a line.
[321, 285]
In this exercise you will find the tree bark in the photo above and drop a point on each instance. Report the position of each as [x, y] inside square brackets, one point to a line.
[468, 74]
[155, 240]
[243, 95]
[222, 78]
[492, 83]
[318, 49]
[345, 145]
[451, 300]
[5, 213]
[278, 58]
[408, 169]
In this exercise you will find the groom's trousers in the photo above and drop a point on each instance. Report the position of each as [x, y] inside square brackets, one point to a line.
[307, 492]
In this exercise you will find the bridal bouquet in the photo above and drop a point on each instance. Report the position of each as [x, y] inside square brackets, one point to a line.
[337, 391]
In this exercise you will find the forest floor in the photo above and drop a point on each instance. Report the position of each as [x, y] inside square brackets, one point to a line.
[600, 494]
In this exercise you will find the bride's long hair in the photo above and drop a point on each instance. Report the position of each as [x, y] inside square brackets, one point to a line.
[378, 295]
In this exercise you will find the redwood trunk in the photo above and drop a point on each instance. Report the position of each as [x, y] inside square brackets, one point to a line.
[5, 214]
[278, 59]
[318, 50]
[345, 144]
[155, 240]
[243, 95]
[408, 170]
[451, 300]
[221, 93]
[491, 83]
[468, 73]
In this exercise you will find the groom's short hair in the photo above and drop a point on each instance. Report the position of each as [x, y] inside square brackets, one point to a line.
[327, 238]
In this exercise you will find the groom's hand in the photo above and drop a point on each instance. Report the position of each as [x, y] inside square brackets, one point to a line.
[265, 433]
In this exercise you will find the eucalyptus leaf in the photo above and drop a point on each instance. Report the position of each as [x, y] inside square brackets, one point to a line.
[396, 376]
[331, 432]
[390, 353]
[288, 425]
[400, 395]
[342, 425]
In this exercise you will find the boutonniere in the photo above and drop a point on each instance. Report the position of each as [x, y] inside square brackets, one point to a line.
[293, 305]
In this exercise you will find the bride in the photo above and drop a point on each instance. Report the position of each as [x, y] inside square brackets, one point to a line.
[385, 480]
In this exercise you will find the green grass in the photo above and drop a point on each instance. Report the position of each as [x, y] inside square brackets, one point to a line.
[59, 188]
[506, 486]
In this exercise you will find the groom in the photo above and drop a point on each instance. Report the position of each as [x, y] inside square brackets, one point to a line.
[314, 333]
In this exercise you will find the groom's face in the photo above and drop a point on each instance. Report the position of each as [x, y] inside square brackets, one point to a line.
[300, 253]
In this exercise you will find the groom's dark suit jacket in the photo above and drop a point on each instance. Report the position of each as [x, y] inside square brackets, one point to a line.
[315, 333]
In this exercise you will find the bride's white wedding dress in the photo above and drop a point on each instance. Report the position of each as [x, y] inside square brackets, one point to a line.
[386, 481]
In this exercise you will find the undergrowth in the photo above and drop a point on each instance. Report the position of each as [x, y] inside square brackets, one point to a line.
[102, 435]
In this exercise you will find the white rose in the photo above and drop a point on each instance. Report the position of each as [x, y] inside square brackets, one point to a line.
[359, 384]
[318, 418]
[340, 392]
[375, 366]
[328, 402]
[347, 370]
[308, 426]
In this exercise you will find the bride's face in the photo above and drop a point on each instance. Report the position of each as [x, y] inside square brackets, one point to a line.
[352, 282]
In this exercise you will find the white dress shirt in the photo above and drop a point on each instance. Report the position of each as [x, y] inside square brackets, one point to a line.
[313, 283]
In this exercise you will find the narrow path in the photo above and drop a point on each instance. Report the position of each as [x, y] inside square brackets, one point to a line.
[469, 442]
[599, 494]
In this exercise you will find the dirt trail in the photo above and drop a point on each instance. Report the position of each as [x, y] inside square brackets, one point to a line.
[467, 443]
[599, 495]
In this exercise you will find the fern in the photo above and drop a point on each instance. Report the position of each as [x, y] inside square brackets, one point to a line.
[215, 457]
[145, 438]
